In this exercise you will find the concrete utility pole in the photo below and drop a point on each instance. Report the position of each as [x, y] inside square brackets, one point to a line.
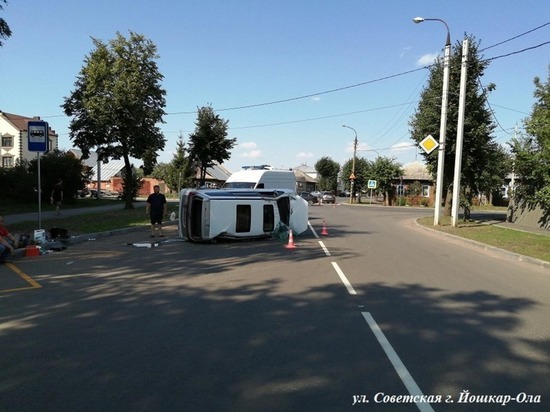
[460, 134]
[352, 177]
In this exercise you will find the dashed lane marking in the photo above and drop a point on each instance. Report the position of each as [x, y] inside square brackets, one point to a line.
[399, 367]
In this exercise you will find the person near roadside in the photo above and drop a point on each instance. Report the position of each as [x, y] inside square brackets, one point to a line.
[7, 242]
[56, 197]
[156, 208]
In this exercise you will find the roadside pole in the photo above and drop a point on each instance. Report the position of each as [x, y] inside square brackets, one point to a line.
[37, 134]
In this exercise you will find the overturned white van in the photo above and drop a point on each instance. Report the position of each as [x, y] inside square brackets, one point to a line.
[205, 215]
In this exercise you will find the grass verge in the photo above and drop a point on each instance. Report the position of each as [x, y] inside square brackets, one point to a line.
[9, 207]
[527, 244]
[91, 222]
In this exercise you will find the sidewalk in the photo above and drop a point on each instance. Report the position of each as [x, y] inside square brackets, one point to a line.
[45, 215]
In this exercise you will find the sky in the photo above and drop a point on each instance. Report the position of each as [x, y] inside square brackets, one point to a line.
[285, 74]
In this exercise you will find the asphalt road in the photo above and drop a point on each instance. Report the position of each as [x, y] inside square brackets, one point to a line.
[377, 307]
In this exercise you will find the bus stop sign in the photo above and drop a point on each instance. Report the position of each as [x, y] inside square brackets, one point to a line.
[37, 133]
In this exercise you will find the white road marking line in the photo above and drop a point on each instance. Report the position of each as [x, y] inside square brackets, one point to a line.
[399, 367]
[324, 248]
[344, 279]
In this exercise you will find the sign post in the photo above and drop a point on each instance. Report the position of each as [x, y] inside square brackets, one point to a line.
[37, 134]
[372, 184]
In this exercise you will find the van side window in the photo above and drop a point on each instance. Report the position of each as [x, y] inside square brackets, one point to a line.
[243, 218]
[269, 218]
[260, 186]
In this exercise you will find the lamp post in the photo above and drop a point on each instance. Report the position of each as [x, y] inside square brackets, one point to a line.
[352, 177]
[443, 126]
[370, 150]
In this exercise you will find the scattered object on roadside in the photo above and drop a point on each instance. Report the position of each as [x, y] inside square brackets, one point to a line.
[169, 240]
[172, 216]
[70, 262]
[22, 240]
[32, 251]
[59, 233]
[144, 244]
[91, 239]
[39, 236]
[54, 246]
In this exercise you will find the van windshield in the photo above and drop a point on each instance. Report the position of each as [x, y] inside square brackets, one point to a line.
[238, 185]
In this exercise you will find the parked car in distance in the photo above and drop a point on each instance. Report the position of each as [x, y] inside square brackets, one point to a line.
[345, 193]
[328, 197]
[309, 198]
[105, 194]
[83, 193]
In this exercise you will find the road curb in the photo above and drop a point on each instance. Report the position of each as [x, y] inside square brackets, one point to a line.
[479, 245]
[88, 237]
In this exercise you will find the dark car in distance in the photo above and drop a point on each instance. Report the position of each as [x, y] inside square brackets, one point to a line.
[328, 197]
[309, 198]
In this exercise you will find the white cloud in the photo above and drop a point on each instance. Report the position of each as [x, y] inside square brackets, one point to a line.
[253, 154]
[404, 51]
[247, 145]
[427, 59]
[316, 98]
[403, 146]
[303, 157]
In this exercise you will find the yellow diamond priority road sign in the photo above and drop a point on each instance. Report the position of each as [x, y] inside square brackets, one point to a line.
[429, 144]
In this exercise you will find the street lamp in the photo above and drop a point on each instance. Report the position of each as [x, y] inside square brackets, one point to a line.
[370, 150]
[352, 177]
[443, 126]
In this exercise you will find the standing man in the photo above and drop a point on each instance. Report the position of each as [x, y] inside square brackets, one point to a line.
[57, 196]
[156, 208]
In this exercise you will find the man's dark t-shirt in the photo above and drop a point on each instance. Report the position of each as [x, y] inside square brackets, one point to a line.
[156, 202]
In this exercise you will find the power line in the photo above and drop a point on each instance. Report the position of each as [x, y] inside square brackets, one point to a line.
[357, 84]
[517, 52]
[322, 117]
[515, 37]
[290, 99]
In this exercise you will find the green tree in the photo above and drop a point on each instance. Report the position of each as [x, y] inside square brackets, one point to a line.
[532, 152]
[386, 171]
[160, 171]
[18, 183]
[209, 143]
[179, 173]
[5, 30]
[131, 184]
[328, 173]
[118, 102]
[362, 173]
[58, 164]
[480, 151]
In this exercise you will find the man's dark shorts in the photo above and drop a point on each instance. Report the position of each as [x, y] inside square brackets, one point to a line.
[157, 218]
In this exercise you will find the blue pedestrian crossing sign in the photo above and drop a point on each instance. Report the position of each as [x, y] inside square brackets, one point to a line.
[37, 133]
[372, 184]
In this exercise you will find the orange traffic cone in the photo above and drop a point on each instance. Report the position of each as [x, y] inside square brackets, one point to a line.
[324, 232]
[290, 244]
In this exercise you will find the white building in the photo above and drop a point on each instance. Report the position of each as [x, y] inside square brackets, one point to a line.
[14, 144]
